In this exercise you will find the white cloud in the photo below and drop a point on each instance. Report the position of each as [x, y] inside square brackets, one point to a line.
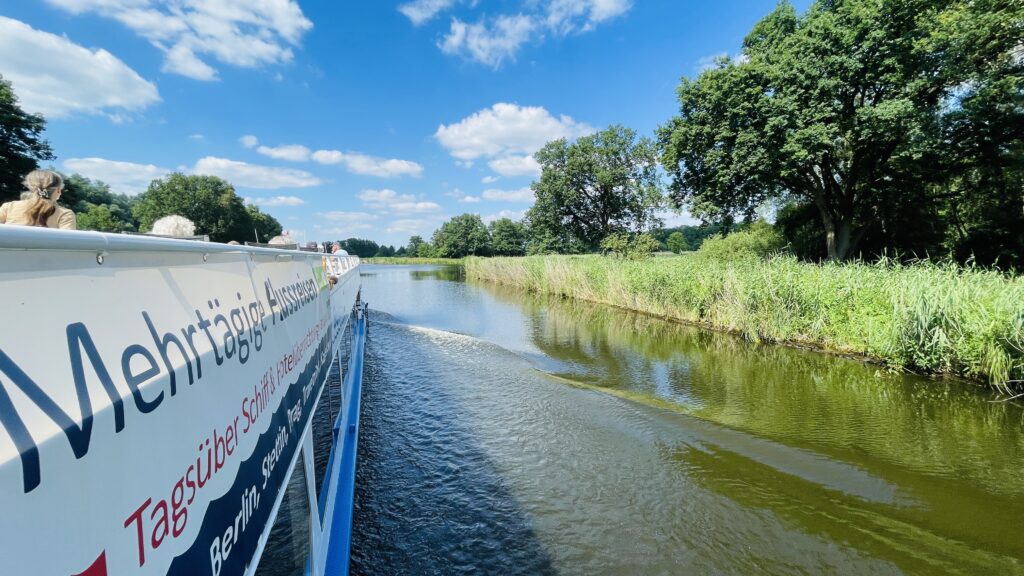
[394, 203]
[369, 165]
[420, 11]
[505, 130]
[292, 152]
[515, 166]
[343, 223]
[196, 137]
[672, 219]
[520, 195]
[462, 197]
[122, 177]
[489, 179]
[512, 214]
[494, 42]
[421, 226]
[56, 77]
[275, 201]
[190, 32]
[470, 199]
[489, 45]
[249, 141]
[246, 175]
[565, 16]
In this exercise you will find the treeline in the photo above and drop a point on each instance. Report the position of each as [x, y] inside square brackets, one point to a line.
[466, 235]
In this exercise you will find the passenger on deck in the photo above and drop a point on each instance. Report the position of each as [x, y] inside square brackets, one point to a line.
[173, 225]
[40, 207]
[337, 251]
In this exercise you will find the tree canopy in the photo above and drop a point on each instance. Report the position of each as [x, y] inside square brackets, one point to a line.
[602, 183]
[840, 108]
[463, 235]
[21, 144]
[508, 238]
[211, 203]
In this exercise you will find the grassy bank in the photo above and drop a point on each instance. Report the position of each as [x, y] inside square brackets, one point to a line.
[924, 317]
[396, 260]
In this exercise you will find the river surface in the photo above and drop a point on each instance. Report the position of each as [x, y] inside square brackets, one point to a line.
[505, 433]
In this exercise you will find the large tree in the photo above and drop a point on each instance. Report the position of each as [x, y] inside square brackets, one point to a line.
[838, 108]
[414, 246]
[211, 203]
[463, 235]
[602, 183]
[21, 144]
[264, 226]
[508, 238]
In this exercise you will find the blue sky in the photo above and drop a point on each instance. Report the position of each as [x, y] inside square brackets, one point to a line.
[376, 119]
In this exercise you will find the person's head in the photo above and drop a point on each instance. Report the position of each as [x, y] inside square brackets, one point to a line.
[335, 248]
[234, 243]
[44, 188]
[173, 225]
[281, 240]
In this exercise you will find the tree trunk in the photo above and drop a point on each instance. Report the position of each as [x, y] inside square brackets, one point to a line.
[838, 234]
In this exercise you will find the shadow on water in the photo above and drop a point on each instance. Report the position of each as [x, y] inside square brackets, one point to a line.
[428, 498]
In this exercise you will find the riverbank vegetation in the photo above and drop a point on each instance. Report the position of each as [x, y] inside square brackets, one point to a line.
[403, 260]
[938, 318]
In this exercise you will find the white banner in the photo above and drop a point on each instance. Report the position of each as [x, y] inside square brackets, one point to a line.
[151, 400]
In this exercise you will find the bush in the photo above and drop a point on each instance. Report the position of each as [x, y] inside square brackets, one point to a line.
[761, 240]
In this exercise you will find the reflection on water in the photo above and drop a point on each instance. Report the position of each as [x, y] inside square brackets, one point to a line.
[727, 456]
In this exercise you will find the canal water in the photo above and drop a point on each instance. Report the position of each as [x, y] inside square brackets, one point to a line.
[507, 433]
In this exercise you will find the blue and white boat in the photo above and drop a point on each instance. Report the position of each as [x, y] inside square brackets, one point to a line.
[164, 406]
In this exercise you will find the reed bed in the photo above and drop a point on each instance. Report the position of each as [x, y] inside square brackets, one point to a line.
[936, 318]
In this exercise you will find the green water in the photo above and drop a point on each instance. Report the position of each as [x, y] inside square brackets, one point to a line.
[655, 447]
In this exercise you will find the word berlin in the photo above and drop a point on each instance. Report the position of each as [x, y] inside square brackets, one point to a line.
[230, 334]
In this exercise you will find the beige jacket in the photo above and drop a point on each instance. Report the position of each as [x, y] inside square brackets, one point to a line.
[16, 212]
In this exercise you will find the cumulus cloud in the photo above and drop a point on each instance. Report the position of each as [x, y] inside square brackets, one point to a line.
[520, 195]
[508, 135]
[275, 201]
[122, 177]
[496, 40]
[192, 32]
[566, 16]
[504, 130]
[488, 44]
[421, 226]
[292, 152]
[342, 223]
[421, 11]
[246, 175]
[392, 202]
[515, 166]
[369, 165]
[489, 179]
[249, 141]
[196, 137]
[53, 76]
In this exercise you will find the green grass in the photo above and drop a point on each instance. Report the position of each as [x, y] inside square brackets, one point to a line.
[925, 317]
[397, 260]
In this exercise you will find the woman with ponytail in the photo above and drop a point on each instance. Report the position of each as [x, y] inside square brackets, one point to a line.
[40, 208]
